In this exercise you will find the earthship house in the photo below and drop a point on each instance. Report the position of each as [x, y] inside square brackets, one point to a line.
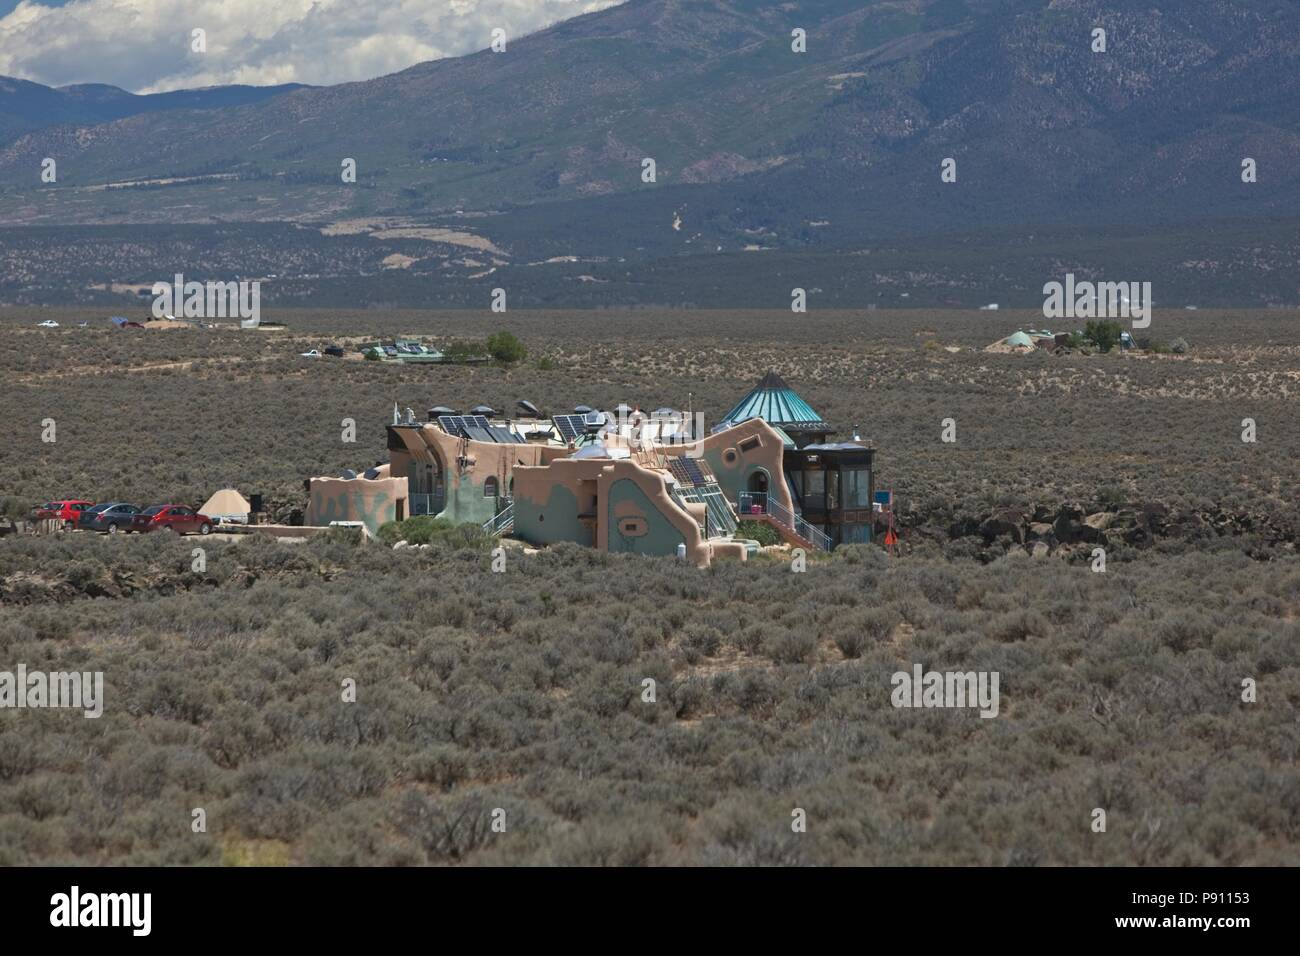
[621, 481]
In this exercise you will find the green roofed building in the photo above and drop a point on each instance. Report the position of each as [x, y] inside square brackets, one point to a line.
[780, 406]
[832, 486]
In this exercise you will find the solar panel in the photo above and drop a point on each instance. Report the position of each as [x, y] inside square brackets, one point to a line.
[458, 425]
[687, 471]
[570, 426]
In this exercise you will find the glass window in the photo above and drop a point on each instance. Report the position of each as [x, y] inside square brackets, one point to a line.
[857, 488]
[814, 488]
[490, 487]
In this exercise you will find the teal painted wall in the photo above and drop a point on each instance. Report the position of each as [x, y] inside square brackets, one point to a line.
[661, 536]
[381, 509]
[561, 523]
[465, 503]
[733, 481]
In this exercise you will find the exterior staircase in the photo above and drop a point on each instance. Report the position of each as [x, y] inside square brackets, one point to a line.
[791, 527]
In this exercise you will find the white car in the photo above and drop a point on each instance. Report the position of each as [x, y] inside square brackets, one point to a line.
[47, 324]
[312, 354]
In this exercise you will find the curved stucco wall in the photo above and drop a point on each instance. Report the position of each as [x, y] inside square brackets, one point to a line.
[616, 505]
[635, 524]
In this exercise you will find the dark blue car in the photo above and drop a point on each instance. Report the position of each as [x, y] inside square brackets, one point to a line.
[110, 517]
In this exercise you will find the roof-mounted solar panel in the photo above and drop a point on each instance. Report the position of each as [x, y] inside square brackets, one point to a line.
[570, 426]
[687, 471]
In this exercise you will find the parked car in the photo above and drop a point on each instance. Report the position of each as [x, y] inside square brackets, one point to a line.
[334, 350]
[66, 510]
[313, 353]
[47, 324]
[178, 518]
[112, 517]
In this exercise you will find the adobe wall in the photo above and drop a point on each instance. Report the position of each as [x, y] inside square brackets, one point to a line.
[632, 494]
[629, 508]
[548, 501]
[370, 501]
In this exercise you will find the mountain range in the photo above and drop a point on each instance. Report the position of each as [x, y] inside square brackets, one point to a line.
[26, 106]
[538, 153]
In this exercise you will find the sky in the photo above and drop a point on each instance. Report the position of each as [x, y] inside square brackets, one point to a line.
[146, 46]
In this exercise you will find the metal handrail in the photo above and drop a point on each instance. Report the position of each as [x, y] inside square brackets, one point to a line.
[783, 516]
[502, 523]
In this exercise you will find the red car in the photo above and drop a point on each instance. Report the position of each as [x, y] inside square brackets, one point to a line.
[178, 518]
[67, 511]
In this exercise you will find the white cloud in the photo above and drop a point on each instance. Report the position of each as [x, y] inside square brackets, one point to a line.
[144, 45]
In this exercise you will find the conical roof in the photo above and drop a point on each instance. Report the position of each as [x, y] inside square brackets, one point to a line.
[778, 404]
[227, 501]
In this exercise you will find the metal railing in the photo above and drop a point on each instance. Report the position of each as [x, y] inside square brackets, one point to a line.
[503, 523]
[748, 501]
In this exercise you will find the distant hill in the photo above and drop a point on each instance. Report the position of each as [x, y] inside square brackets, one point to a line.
[26, 107]
[539, 150]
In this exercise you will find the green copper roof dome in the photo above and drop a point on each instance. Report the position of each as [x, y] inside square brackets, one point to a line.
[778, 404]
